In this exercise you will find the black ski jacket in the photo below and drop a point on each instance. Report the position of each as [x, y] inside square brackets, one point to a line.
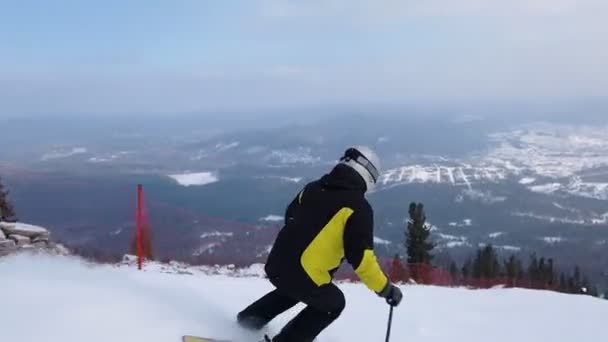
[328, 221]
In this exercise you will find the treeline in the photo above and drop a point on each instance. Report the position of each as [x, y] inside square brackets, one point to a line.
[486, 268]
[537, 272]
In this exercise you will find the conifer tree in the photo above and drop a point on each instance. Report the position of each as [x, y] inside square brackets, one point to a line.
[467, 269]
[577, 276]
[7, 212]
[513, 269]
[418, 247]
[533, 269]
[550, 273]
[563, 285]
[486, 263]
[454, 272]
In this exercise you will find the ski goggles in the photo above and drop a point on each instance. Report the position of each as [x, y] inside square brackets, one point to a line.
[353, 154]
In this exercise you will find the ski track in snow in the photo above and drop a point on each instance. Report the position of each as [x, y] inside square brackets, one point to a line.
[466, 180]
[438, 175]
[60, 299]
[451, 175]
[402, 174]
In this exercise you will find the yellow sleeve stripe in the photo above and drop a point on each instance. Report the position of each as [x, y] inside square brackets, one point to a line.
[300, 197]
[370, 273]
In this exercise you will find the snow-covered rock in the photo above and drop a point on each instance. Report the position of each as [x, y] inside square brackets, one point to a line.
[20, 240]
[28, 230]
[44, 239]
[16, 237]
[9, 243]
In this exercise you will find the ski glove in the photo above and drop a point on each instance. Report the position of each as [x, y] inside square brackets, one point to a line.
[392, 294]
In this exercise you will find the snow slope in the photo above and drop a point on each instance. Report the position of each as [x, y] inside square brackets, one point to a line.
[62, 299]
[194, 179]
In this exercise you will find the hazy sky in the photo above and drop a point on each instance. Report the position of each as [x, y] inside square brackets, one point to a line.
[145, 56]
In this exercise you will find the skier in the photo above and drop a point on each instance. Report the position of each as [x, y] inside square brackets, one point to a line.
[328, 221]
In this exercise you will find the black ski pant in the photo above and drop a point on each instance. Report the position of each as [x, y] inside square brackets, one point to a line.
[323, 306]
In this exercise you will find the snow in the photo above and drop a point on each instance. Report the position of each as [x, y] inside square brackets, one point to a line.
[24, 228]
[576, 187]
[495, 235]
[451, 237]
[452, 241]
[292, 179]
[63, 153]
[549, 150]
[109, 158]
[265, 251]
[116, 232]
[553, 239]
[485, 197]
[195, 179]
[380, 241]
[464, 223]
[595, 190]
[553, 219]
[536, 152]
[206, 249]
[527, 180]
[216, 234]
[153, 306]
[101, 159]
[546, 188]
[282, 178]
[288, 157]
[453, 244]
[460, 174]
[509, 248]
[221, 147]
[272, 218]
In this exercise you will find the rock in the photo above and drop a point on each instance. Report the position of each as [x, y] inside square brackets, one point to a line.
[2, 235]
[44, 239]
[7, 246]
[61, 250]
[24, 229]
[40, 244]
[20, 240]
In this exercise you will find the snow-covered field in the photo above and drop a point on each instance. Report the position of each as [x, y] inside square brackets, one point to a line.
[63, 153]
[558, 153]
[62, 299]
[195, 179]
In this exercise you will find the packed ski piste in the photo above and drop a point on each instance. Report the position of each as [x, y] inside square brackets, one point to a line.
[293, 297]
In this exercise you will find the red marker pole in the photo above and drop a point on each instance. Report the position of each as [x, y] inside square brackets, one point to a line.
[138, 231]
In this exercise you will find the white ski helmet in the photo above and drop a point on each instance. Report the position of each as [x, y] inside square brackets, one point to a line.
[365, 161]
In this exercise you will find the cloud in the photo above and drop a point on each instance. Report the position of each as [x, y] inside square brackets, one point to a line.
[291, 53]
[395, 9]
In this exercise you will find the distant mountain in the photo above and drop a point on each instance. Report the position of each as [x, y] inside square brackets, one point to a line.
[534, 187]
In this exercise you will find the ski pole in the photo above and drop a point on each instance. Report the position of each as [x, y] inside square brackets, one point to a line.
[390, 322]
